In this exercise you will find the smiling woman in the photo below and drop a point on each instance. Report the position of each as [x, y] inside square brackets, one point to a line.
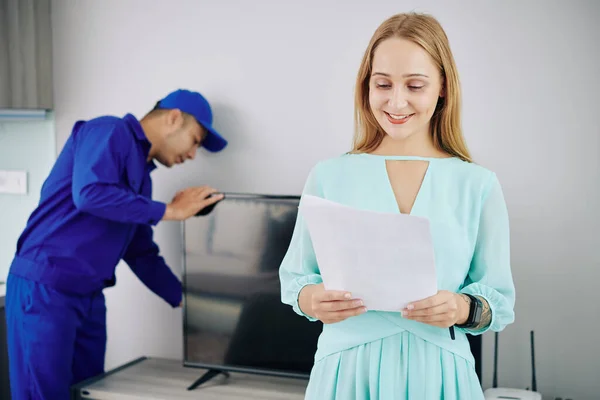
[409, 157]
[408, 74]
[397, 95]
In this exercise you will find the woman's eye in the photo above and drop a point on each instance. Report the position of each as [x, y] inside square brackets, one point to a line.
[415, 87]
[382, 85]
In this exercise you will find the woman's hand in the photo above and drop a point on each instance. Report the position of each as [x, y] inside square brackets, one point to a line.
[329, 306]
[443, 310]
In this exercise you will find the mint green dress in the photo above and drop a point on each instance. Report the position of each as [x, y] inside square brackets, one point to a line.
[380, 355]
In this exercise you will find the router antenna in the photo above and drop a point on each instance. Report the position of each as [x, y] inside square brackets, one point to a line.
[533, 378]
[495, 383]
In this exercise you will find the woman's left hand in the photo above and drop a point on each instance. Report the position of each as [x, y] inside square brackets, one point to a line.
[443, 310]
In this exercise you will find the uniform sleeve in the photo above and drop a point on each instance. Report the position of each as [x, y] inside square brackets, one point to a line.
[299, 266]
[101, 156]
[142, 256]
[490, 275]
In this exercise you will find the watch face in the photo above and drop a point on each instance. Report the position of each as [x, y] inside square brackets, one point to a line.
[478, 312]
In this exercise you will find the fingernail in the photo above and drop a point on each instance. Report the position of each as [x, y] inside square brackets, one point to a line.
[363, 310]
[348, 295]
[404, 313]
[358, 303]
[410, 307]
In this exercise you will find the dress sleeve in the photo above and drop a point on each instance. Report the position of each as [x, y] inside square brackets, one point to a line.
[490, 275]
[299, 266]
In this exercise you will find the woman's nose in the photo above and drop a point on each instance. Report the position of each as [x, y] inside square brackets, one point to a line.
[397, 99]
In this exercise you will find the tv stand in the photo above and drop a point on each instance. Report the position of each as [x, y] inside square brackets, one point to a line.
[208, 375]
[166, 379]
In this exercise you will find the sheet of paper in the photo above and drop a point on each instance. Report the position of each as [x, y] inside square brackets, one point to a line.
[385, 259]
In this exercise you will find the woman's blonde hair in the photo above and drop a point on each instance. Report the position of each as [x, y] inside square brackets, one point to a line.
[445, 125]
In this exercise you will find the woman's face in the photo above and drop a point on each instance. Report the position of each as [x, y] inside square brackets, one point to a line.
[404, 88]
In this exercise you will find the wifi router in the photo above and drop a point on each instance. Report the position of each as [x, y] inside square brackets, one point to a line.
[511, 394]
[496, 393]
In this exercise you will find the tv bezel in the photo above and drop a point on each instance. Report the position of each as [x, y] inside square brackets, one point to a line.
[225, 367]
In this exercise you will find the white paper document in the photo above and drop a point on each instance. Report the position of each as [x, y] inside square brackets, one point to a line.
[385, 259]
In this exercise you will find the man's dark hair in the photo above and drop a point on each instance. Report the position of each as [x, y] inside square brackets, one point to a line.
[188, 118]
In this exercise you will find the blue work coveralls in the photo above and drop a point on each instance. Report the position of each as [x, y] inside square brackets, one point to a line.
[95, 209]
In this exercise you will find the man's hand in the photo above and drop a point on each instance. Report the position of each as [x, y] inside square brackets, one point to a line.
[188, 202]
[443, 310]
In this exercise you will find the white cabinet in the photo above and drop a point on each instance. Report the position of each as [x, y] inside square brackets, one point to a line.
[25, 54]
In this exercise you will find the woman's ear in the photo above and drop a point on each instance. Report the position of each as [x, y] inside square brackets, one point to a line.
[443, 87]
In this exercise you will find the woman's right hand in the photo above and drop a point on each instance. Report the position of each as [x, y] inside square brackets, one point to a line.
[329, 306]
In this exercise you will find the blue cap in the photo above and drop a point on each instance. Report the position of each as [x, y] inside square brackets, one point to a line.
[195, 104]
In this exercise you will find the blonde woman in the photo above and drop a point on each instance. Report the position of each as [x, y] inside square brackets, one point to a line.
[409, 157]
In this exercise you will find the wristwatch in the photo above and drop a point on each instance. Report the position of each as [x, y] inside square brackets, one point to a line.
[475, 310]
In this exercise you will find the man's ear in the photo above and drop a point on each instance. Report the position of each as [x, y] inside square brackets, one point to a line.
[174, 117]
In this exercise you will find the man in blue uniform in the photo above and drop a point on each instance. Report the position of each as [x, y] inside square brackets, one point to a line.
[96, 208]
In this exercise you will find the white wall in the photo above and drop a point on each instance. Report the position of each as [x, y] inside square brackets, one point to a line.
[24, 146]
[281, 75]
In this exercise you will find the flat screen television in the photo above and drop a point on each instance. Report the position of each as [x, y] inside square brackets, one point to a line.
[234, 319]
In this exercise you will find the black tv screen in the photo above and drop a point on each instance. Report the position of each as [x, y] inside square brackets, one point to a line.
[234, 319]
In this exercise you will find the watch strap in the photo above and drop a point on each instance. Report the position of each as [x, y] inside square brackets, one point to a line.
[475, 309]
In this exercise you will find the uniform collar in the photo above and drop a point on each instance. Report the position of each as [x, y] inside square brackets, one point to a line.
[136, 127]
[140, 136]
[150, 166]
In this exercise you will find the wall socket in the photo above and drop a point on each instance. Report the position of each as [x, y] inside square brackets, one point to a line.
[13, 182]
